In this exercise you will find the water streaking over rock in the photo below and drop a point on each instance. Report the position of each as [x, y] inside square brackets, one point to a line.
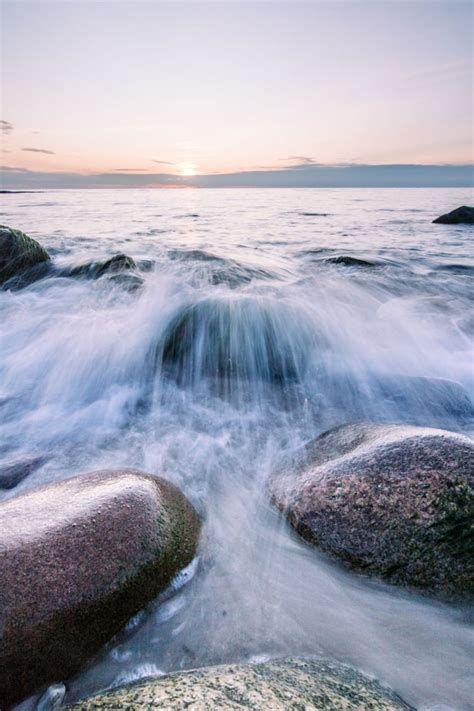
[236, 349]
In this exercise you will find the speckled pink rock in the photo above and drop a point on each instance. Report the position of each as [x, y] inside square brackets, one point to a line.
[388, 500]
[77, 560]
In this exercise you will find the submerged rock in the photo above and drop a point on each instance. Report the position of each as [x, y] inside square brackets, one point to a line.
[237, 338]
[348, 261]
[93, 270]
[461, 215]
[379, 397]
[19, 254]
[12, 473]
[388, 500]
[279, 685]
[78, 559]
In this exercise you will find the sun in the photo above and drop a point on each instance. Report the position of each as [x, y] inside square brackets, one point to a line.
[187, 170]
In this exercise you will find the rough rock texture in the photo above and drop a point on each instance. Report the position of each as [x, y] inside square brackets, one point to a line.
[461, 215]
[388, 500]
[285, 684]
[78, 559]
[18, 253]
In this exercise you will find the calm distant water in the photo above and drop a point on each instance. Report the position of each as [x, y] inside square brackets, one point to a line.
[287, 341]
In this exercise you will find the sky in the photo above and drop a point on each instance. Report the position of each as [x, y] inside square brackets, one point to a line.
[149, 93]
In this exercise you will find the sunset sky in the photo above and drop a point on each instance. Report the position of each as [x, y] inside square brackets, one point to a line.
[184, 88]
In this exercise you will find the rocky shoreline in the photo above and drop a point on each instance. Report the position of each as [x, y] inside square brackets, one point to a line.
[79, 558]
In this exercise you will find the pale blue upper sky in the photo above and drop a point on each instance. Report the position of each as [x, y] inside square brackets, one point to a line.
[204, 87]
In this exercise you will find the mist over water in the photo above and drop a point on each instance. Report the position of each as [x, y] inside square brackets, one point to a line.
[263, 318]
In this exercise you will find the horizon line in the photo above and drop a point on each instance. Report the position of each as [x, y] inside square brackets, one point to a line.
[303, 175]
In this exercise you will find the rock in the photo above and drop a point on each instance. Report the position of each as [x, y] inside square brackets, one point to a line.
[118, 263]
[239, 338]
[279, 685]
[93, 270]
[348, 261]
[19, 254]
[379, 397]
[78, 559]
[388, 500]
[120, 269]
[461, 215]
[13, 472]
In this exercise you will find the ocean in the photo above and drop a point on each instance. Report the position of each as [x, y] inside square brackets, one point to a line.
[295, 310]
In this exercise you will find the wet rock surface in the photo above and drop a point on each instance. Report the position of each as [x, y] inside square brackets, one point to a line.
[279, 685]
[388, 500]
[93, 270]
[236, 339]
[19, 254]
[78, 559]
[421, 401]
[13, 472]
[459, 216]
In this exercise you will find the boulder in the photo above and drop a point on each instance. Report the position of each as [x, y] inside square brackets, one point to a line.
[279, 685]
[388, 500]
[78, 559]
[236, 338]
[461, 215]
[19, 254]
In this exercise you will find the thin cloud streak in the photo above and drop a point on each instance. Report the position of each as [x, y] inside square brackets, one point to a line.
[306, 160]
[39, 150]
[6, 126]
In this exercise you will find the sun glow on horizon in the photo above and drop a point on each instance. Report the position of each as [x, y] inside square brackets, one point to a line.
[187, 169]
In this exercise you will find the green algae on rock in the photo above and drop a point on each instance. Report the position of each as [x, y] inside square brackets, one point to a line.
[18, 253]
[79, 558]
[388, 500]
[280, 685]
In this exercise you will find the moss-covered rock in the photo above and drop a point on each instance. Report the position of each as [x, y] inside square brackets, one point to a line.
[18, 253]
[281, 685]
[388, 500]
[77, 560]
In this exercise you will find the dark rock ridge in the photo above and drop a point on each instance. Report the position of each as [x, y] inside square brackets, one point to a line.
[13, 472]
[93, 270]
[78, 559]
[120, 268]
[19, 254]
[388, 500]
[279, 685]
[461, 215]
[348, 261]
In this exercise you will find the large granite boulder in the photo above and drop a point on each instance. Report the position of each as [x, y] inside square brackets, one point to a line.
[19, 254]
[388, 500]
[459, 216]
[279, 685]
[77, 560]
